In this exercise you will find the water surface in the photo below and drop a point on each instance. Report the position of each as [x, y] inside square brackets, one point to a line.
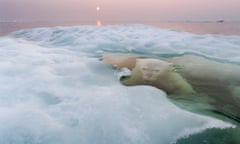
[54, 88]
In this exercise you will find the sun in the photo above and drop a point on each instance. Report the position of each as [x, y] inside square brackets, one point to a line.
[98, 8]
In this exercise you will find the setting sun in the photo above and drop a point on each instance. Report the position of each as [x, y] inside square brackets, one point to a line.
[98, 8]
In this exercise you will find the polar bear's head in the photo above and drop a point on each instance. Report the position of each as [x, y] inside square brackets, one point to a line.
[152, 69]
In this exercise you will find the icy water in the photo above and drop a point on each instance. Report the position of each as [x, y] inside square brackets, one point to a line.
[54, 89]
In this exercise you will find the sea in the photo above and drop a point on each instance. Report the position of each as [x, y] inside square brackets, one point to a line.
[54, 88]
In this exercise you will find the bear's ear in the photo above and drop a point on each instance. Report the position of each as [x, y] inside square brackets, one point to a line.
[177, 68]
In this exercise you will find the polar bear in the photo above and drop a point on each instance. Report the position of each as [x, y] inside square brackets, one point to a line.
[187, 76]
[154, 72]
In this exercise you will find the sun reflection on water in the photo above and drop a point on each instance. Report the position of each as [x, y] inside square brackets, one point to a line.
[99, 22]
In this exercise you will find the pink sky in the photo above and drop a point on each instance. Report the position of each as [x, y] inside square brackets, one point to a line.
[127, 10]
